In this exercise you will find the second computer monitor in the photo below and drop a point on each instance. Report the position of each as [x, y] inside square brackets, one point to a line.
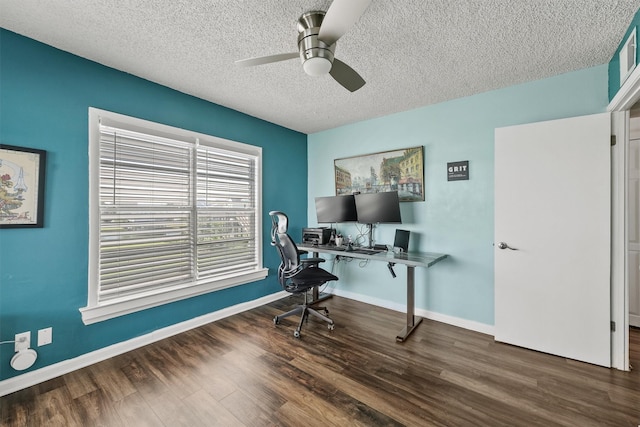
[382, 207]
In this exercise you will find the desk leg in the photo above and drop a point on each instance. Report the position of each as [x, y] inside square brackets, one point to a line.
[412, 320]
[316, 296]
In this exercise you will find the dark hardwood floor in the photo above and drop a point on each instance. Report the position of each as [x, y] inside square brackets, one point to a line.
[244, 371]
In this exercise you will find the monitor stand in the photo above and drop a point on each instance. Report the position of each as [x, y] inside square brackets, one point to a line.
[370, 234]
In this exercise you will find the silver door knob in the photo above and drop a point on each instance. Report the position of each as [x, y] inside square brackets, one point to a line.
[503, 245]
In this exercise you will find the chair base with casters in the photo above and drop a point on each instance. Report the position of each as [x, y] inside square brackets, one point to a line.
[298, 275]
[304, 310]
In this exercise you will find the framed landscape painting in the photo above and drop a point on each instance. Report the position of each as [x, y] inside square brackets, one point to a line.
[22, 172]
[397, 170]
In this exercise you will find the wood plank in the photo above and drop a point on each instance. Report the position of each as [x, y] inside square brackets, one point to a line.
[95, 409]
[134, 411]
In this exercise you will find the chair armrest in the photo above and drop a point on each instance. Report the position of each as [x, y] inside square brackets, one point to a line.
[312, 261]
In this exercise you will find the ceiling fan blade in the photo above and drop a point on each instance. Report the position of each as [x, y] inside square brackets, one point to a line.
[340, 17]
[267, 59]
[346, 76]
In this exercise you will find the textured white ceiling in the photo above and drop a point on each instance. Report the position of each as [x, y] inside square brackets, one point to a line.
[411, 52]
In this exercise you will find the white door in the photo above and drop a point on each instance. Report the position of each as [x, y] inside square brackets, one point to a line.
[552, 205]
[633, 233]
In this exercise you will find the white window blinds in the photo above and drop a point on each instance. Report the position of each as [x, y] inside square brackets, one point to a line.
[146, 213]
[173, 213]
[226, 214]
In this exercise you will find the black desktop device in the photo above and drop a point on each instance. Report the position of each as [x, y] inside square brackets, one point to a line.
[316, 235]
[402, 240]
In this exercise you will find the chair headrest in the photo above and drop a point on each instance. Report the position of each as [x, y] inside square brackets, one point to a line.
[280, 221]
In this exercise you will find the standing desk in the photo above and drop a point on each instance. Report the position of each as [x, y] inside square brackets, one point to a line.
[410, 259]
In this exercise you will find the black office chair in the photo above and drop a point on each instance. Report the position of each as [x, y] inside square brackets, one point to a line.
[297, 275]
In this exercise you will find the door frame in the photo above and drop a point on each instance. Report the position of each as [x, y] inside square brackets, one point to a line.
[620, 107]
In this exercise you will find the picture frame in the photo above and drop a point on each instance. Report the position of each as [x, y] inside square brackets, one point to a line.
[22, 177]
[399, 170]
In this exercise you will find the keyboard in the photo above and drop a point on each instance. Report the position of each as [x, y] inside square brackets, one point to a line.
[368, 251]
[357, 250]
[330, 247]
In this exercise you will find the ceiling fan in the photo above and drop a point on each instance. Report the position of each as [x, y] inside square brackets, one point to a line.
[318, 33]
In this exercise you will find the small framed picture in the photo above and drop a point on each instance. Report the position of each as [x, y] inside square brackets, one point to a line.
[22, 173]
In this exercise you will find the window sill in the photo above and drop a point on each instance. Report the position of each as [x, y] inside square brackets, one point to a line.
[112, 309]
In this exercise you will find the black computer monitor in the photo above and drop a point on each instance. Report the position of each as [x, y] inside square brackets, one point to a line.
[378, 207]
[336, 209]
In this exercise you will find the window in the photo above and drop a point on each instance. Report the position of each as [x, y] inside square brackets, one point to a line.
[172, 214]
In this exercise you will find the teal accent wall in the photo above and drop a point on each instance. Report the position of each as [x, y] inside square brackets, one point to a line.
[45, 94]
[457, 217]
[614, 64]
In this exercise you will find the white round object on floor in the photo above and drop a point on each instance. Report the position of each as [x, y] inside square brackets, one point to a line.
[24, 359]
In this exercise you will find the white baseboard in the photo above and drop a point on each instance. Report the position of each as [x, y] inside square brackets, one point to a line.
[37, 376]
[432, 315]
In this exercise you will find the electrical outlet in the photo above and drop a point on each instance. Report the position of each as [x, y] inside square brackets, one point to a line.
[23, 341]
[45, 336]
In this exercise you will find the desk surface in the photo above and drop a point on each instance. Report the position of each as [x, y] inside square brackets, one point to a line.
[412, 259]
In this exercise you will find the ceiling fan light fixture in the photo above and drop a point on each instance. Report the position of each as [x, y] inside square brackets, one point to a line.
[317, 39]
[317, 66]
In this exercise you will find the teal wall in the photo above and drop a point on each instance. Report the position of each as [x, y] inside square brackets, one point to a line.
[44, 99]
[457, 216]
[614, 64]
